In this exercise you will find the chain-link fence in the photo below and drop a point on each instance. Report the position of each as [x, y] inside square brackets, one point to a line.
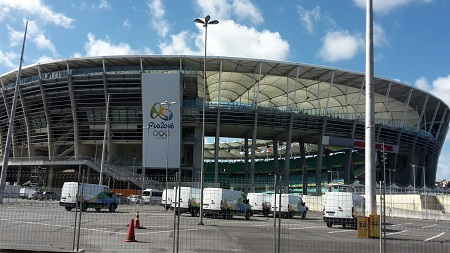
[79, 214]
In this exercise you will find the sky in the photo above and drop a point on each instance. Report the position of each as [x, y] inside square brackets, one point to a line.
[411, 39]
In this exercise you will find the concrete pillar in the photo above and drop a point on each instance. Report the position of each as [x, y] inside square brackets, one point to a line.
[19, 174]
[51, 172]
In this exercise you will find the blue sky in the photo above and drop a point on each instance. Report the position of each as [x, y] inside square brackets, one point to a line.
[410, 36]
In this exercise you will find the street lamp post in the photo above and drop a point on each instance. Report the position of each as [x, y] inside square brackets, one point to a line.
[168, 117]
[205, 24]
[144, 159]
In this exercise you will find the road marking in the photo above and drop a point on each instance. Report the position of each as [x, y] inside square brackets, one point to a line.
[166, 231]
[430, 226]
[302, 228]
[401, 224]
[393, 233]
[263, 225]
[340, 231]
[431, 238]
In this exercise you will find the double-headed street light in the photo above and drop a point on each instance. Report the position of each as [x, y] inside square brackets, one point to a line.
[205, 23]
[168, 118]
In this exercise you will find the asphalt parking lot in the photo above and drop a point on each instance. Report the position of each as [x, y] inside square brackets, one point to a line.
[44, 225]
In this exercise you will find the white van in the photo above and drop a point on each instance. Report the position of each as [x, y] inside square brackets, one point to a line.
[291, 205]
[152, 196]
[89, 196]
[260, 202]
[167, 194]
[189, 200]
[225, 203]
[342, 208]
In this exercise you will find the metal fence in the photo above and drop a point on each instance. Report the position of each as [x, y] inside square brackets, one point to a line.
[408, 222]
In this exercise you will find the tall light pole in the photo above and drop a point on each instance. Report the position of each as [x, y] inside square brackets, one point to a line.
[144, 159]
[9, 136]
[168, 117]
[205, 23]
[371, 205]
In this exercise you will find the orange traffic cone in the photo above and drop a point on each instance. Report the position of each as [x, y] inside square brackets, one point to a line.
[137, 224]
[130, 235]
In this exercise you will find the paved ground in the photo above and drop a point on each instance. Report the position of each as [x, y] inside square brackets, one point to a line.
[37, 225]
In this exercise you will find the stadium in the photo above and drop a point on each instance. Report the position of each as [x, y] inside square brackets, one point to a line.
[148, 115]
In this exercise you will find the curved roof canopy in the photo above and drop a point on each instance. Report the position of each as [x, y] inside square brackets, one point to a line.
[282, 85]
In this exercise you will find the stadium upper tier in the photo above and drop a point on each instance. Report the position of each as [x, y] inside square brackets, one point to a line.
[62, 105]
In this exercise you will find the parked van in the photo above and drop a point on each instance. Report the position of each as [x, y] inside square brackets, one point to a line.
[167, 194]
[260, 202]
[342, 208]
[25, 191]
[89, 196]
[152, 196]
[189, 200]
[291, 205]
[225, 203]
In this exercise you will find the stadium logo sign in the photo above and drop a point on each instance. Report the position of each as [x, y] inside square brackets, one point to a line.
[161, 129]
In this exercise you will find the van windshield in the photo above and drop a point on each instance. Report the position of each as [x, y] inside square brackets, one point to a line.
[145, 193]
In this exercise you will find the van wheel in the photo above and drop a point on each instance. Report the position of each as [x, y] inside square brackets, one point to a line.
[84, 206]
[329, 224]
[97, 209]
[68, 208]
[344, 226]
[112, 207]
[247, 215]
[195, 212]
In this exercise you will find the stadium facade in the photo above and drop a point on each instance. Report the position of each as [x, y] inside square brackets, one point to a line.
[152, 109]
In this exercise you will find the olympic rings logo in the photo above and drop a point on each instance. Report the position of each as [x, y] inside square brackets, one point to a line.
[161, 134]
[160, 111]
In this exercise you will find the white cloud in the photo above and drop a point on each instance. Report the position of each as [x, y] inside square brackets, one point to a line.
[379, 36]
[76, 55]
[43, 43]
[443, 168]
[178, 45]
[7, 58]
[126, 23]
[158, 22]
[15, 37]
[440, 87]
[44, 59]
[230, 39]
[309, 17]
[422, 83]
[221, 10]
[340, 45]
[104, 5]
[98, 47]
[34, 8]
[385, 6]
[245, 9]
[35, 35]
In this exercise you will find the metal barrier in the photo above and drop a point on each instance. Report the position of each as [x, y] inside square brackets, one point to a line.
[28, 224]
